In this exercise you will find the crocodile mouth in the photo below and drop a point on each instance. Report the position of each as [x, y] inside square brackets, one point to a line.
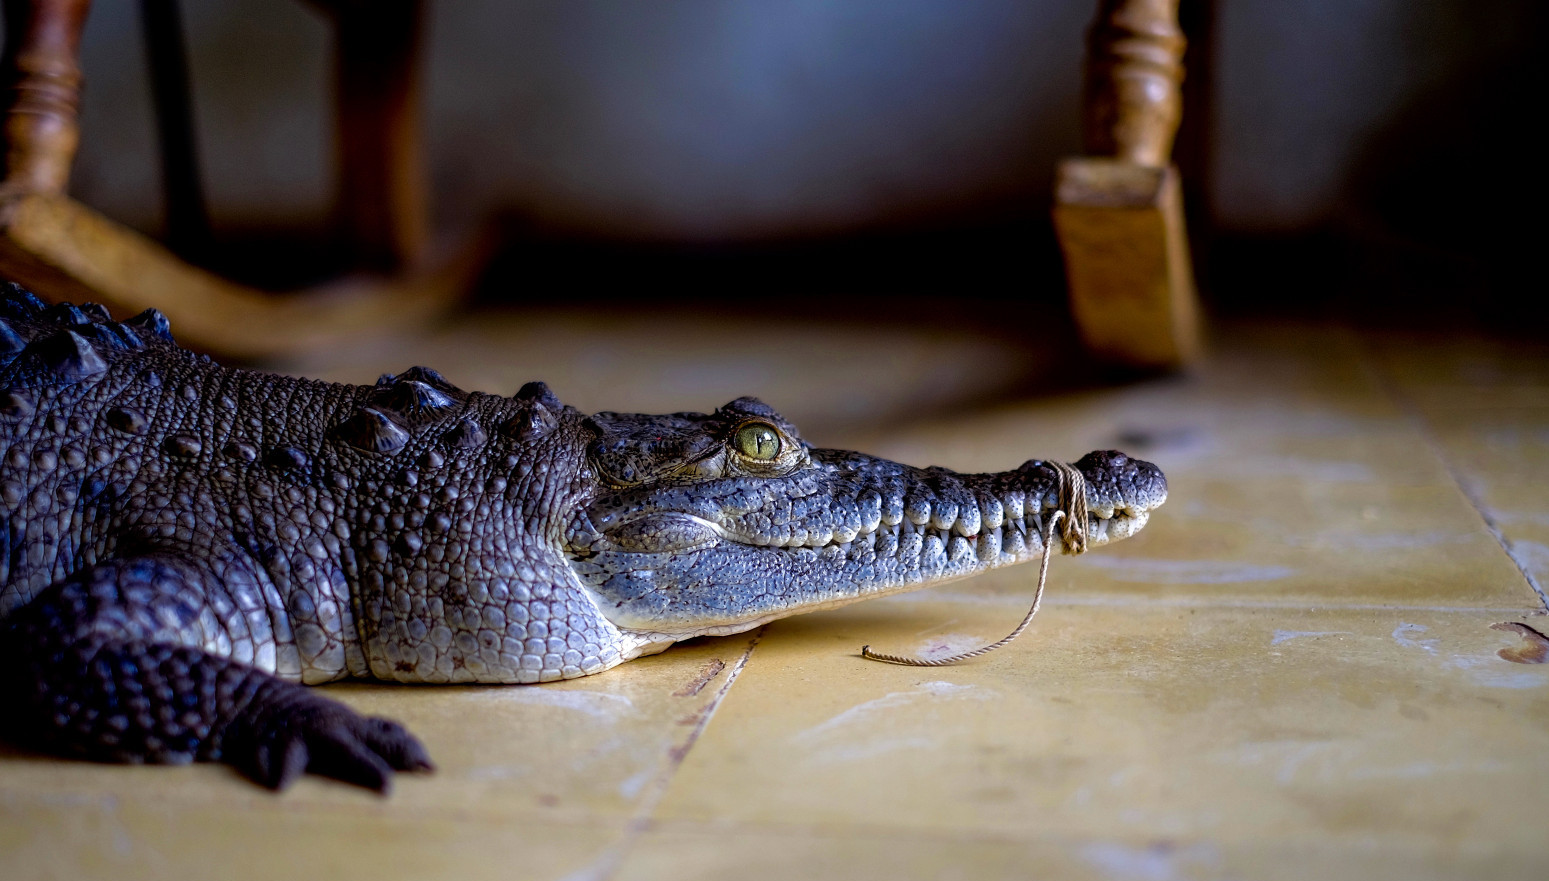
[1009, 537]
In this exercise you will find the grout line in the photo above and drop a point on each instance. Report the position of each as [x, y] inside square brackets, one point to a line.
[1494, 528]
[607, 863]
[1411, 411]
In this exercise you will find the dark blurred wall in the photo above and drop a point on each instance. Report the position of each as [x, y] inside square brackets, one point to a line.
[700, 120]
[1310, 94]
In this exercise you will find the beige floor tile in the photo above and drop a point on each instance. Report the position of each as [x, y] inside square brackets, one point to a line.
[1236, 727]
[683, 852]
[148, 838]
[1462, 370]
[1293, 478]
[1485, 405]
[1500, 456]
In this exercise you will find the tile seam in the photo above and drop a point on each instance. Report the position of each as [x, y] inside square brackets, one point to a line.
[608, 863]
[1417, 419]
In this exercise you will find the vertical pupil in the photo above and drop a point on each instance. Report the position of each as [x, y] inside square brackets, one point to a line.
[759, 441]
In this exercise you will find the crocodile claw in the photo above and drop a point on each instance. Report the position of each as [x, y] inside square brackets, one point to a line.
[302, 732]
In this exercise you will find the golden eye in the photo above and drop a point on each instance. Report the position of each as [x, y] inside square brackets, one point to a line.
[757, 440]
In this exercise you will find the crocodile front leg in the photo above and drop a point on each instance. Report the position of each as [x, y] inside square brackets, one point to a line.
[130, 661]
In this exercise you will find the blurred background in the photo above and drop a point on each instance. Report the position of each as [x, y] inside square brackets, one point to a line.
[1362, 158]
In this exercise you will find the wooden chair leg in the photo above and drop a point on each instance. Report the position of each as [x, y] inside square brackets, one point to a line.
[1119, 209]
[64, 250]
[42, 91]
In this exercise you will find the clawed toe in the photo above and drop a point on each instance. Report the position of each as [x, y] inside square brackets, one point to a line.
[296, 731]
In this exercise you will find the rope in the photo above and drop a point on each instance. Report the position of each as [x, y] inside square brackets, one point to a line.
[1072, 511]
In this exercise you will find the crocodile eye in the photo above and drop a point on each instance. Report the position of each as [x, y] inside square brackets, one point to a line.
[757, 440]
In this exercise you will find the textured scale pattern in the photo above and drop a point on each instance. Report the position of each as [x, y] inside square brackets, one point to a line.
[334, 531]
[186, 545]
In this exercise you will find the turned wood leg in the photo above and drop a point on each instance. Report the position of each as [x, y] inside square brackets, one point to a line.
[42, 80]
[64, 250]
[1119, 209]
[1132, 103]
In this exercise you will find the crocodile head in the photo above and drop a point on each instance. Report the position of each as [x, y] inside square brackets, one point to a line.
[714, 524]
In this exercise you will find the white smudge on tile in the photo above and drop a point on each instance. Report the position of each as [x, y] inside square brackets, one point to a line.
[1288, 635]
[597, 704]
[1401, 635]
[1154, 862]
[865, 713]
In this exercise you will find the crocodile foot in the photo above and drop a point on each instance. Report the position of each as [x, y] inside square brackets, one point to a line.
[289, 730]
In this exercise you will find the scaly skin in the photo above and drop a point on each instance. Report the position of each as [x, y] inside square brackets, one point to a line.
[187, 545]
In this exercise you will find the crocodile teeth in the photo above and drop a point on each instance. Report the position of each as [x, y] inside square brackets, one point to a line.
[943, 515]
[960, 550]
[1015, 543]
[887, 544]
[1013, 503]
[994, 512]
[871, 512]
[968, 522]
[932, 553]
[989, 546]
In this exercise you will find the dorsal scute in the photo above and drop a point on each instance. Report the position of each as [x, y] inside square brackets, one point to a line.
[397, 407]
[423, 375]
[412, 399]
[11, 342]
[66, 356]
[26, 320]
[372, 430]
[16, 302]
[152, 323]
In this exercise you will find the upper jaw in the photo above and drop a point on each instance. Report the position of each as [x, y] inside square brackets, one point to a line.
[725, 555]
[848, 497]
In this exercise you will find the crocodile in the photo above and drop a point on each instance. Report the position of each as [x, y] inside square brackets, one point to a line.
[187, 546]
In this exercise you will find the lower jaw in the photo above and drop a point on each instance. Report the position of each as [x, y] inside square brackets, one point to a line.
[654, 632]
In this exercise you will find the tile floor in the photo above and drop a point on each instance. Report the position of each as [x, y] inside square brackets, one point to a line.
[1292, 672]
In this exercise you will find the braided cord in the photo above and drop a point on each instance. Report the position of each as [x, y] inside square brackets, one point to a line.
[1073, 512]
